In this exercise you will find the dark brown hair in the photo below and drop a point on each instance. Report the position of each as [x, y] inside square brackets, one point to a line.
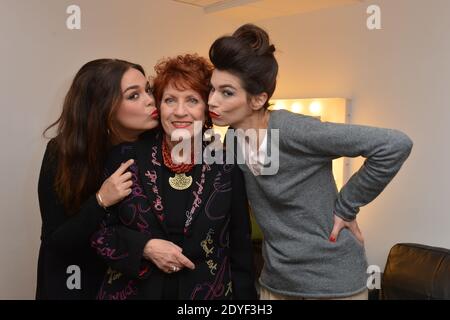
[249, 55]
[189, 71]
[85, 129]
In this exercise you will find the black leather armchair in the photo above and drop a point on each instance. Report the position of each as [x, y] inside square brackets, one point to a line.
[415, 271]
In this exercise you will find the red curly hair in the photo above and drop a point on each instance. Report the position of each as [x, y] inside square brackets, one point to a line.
[189, 71]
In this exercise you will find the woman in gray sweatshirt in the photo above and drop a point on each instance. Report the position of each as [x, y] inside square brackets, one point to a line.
[312, 244]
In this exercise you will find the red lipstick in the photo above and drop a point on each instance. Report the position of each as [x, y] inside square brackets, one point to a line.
[155, 114]
[213, 115]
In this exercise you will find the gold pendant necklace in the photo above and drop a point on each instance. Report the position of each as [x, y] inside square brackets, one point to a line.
[180, 181]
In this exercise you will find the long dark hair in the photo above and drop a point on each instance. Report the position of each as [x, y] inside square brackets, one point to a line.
[85, 129]
[249, 55]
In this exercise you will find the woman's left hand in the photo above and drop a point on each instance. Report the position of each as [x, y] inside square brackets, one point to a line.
[340, 224]
[166, 255]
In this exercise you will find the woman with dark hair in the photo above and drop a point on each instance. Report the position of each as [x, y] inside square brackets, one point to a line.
[109, 102]
[188, 224]
[312, 245]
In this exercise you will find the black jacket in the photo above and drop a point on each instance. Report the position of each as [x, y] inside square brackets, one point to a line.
[216, 235]
[65, 241]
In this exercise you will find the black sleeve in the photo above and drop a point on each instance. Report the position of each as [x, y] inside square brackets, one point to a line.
[242, 266]
[60, 231]
[119, 246]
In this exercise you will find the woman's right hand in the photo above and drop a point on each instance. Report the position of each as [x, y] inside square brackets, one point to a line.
[117, 186]
[166, 256]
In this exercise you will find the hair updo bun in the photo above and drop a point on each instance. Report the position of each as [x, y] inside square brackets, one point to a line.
[256, 38]
[249, 55]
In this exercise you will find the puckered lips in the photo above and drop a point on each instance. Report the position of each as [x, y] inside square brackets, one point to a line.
[155, 114]
[214, 115]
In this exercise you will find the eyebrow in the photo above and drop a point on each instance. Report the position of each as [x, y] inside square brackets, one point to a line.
[147, 85]
[170, 95]
[131, 88]
[227, 86]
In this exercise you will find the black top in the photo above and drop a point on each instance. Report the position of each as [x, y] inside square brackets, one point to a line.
[65, 242]
[176, 203]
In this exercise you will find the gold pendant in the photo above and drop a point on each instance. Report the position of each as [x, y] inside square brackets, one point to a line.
[180, 181]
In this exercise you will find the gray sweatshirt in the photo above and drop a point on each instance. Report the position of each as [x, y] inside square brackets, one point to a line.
[294, 207]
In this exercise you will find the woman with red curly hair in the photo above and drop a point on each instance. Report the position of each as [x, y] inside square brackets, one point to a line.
[187, 222]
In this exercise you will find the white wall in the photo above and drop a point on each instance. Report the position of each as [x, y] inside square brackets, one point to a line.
[38, 58]
[398, 77]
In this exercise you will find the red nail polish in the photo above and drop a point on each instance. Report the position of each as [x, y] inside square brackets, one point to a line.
[332, 239]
